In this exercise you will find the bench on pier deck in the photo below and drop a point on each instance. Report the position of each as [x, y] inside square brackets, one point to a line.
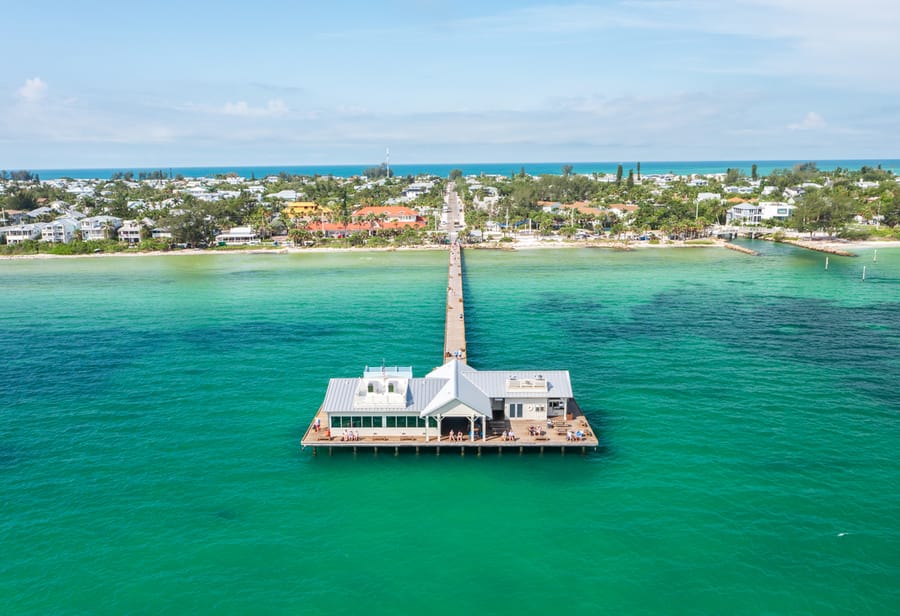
[379, 438]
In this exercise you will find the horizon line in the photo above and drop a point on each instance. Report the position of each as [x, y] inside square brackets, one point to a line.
[467, 164]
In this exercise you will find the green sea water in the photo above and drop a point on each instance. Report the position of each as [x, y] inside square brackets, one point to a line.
[747, 407]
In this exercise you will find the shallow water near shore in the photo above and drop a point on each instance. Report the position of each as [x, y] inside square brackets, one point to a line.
[747, 408]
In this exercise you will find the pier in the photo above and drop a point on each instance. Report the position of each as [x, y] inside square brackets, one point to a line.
[455, 323]
[455, 407]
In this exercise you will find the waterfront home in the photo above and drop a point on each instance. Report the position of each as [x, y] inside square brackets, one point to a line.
[22, 233]
[238, 236]
[130, 231]
[777, 210]
[99, 227]
[402, 215]
[390, 402]
[339, 229]
[743, 213]
[59, 231]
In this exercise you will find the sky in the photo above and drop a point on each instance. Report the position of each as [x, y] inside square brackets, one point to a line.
[193, 83]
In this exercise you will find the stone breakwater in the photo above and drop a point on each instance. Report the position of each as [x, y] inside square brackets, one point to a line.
[827, 248]
[742, 249]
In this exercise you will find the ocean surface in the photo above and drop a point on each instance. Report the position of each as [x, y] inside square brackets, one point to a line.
[764, 167]
[747, 407]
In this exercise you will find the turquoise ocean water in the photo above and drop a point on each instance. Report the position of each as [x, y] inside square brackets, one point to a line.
[681, 167]
[152, 407]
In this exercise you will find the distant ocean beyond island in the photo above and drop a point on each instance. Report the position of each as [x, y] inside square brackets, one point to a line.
[647, 168]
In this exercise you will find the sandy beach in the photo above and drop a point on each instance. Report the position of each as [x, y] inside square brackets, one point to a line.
[528, 244]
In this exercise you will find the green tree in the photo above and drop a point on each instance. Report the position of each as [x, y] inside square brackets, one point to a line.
[754, 172]
[567, 170]
[455, 174]
[619, 175]
[194, 224]
[732, 176]
[639, 170]
[630, 181]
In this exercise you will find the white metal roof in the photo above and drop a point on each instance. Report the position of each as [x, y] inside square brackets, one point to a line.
[452, 382]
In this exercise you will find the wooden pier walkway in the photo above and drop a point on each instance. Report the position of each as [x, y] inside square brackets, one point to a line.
[455, 322]
[455, 328]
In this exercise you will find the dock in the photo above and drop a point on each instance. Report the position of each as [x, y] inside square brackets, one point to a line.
[455, 407]
[455, 326]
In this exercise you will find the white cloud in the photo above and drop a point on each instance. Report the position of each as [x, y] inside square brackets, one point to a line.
[804, 37]
[33, 90]
[811, 121]
[274, 108]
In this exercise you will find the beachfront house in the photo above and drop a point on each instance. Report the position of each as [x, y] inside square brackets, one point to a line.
[59, 231]
[390, 402]
[390, 213]
[130, 231]
[22, 233]
[238, 236]
[99, 227]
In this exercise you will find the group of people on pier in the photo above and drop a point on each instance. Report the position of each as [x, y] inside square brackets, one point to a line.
[459, 435]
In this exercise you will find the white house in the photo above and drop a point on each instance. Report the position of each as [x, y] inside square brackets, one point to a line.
[777, 210]
[130, 231]
[391, 402]
[285, 195]
[238, 236]
[99, 227]
[708, 196]
[743, 213]
[60, 231]
[22, 233]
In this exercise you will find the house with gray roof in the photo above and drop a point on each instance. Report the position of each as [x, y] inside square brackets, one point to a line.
[390, 402]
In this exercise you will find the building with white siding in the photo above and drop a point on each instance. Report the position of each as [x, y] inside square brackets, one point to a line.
[390, 402]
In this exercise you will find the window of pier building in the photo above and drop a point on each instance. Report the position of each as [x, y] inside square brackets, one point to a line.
[378, 421]
[357, 421]
[409, 421]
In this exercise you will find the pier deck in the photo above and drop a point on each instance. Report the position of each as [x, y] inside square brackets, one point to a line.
[553, 435]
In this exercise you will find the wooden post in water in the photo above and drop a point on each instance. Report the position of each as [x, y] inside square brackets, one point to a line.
[826, 264]
[875, 256]
[864, 273]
